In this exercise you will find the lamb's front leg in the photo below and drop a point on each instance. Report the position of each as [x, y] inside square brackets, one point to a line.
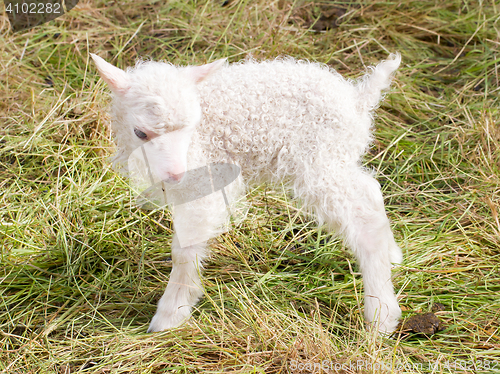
[184, 287]
[195, 222]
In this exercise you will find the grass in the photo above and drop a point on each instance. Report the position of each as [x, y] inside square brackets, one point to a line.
[81, 268]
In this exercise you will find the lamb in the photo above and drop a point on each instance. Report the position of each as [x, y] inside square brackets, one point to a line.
[283, 120]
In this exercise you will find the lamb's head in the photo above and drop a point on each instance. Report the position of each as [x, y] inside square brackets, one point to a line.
[156, 106]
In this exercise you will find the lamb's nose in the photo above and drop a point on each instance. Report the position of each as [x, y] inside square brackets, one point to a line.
[175, 178]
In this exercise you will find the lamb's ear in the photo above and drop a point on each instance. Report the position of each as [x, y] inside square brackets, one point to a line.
[200, 73]
[116, 78]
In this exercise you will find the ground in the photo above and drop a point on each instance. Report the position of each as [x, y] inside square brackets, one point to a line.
[82, 268]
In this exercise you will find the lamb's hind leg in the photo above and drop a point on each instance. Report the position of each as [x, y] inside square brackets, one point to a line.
[357, 209]
[374, 247]
[369, 235]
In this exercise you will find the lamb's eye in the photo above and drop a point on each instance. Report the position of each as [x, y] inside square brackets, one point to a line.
[140, 134]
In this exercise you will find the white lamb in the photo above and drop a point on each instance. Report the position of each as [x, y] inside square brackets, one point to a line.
[282, 121]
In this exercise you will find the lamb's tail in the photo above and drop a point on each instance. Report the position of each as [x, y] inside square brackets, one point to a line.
[371, 85]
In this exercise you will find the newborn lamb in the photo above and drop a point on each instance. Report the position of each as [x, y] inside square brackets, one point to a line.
[283, 120]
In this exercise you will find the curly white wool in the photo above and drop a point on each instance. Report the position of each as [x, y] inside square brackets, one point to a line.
[287, 110]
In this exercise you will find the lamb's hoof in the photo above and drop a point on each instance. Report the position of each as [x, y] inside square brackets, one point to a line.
[388, 327]
[382, 314]
[385, 322]
[166, 321]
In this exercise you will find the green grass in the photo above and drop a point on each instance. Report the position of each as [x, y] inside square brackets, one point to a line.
[81, 268]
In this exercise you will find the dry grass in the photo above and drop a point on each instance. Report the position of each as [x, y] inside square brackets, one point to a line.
[81, 267]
